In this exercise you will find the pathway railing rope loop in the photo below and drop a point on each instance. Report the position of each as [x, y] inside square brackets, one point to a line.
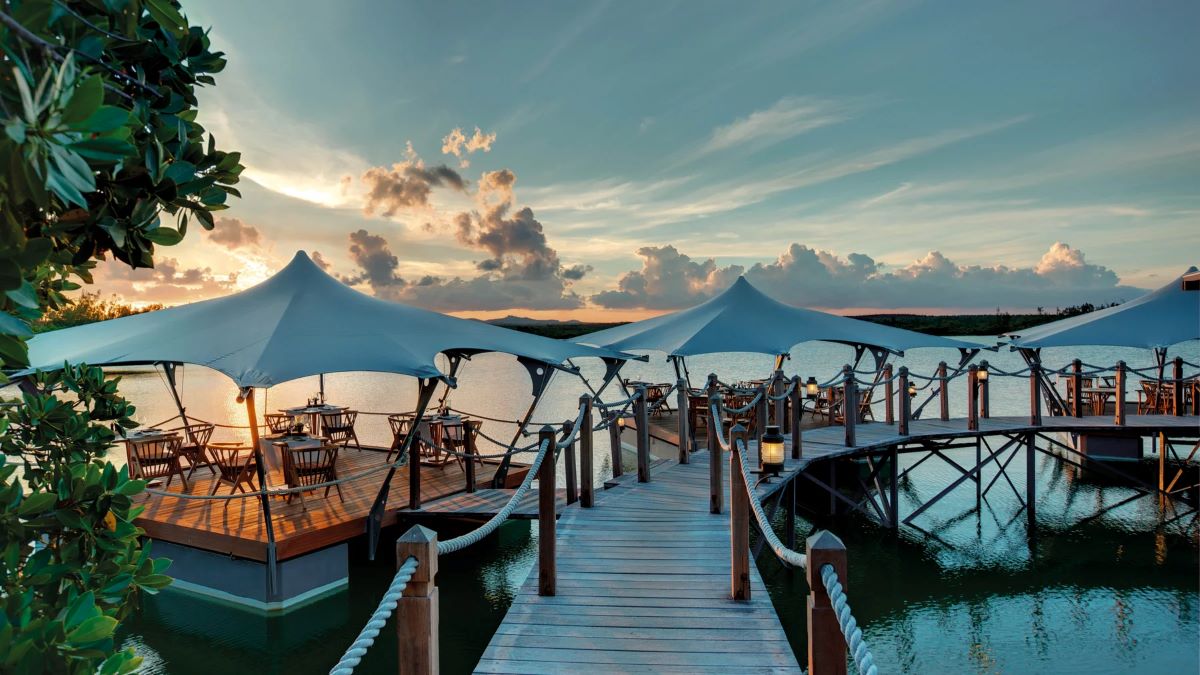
[853, 634]
[387, 605]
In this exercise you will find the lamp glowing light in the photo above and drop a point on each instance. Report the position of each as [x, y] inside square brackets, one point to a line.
[771, 450]
[912, 389]
[811, 388]
[982, 375]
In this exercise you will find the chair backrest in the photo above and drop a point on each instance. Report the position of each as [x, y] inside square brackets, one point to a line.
[230, 458]
[342, 419]
[278, 423]
[309, 466]
[155, 457]
[198, 434]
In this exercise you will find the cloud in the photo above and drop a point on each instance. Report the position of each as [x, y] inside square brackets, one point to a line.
[320, 261]
[788, 117]
[809, 277]
[167, 282]
[407, 185]
[376, 263]
[459, 144]
[233, 234]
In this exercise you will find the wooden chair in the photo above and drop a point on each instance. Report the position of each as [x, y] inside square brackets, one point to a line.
[236, 466]
[310, 466]
[158, 458]
[697, 410]
[456, 436]
[278, 423]
[400, 424]
[195, 440]
[654, 394]
[338, 427]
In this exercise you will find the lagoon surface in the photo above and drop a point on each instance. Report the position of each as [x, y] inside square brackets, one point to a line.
[965, 591]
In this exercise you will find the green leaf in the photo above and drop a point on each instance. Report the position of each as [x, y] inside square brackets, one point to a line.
[11, 325]
[180, 172]
[167, 16]
[92, 630]
[164, 236]
[132, 487]
[104, 148]
[36, 503]
[83, 608]
[88, 97]
[15, 129]
[25, 295]
[14, 353]
[105, 119]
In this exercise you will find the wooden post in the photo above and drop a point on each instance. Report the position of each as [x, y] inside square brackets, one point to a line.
[640, 411]
[1177, 399]
[739, 516]
[414, 466]
[716, 494]
[777, 386]
[889, 412]
[973, 398]
[943, 395]
[849, 403]
[587, 477]
[796, 410]
[681, 406]
[1162, 463]
[417, 609]
[547, 518]
[569, 471]
[1076, 384]
[826, 644]
[614, 442]
[1035, 395]
[982, 377]
[1120, 412]
[470, 428]
[905, 402]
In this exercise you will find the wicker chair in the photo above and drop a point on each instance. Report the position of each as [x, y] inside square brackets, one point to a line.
[236, 466]
[310, 466]
[278, 423]
[157, 458]
[195, 440]
[338, 427]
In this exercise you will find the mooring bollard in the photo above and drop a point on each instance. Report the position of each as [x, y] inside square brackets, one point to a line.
[849, 403]
[973, 398]
[547, 518]
[1035, 395]
[826, 644]
[716, 495]
[889, 412]
[739, 516]
[943, 394]
[642, 415]
[417, 609]
[796, 410]
[587, 477]
[684, 426]
[1120, 412]
[905, 402]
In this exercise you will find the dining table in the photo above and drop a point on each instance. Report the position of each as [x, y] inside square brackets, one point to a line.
[1098, 397]
[272, 450]
[312, 413]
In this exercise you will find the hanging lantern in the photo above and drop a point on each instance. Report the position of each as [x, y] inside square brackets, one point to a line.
[912, 389]
[771, 450]
[811, 389]
[982, 374]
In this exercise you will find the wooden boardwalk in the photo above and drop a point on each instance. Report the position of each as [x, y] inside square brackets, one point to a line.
[643, 586]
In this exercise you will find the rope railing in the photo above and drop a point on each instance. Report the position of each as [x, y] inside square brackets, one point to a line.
[787, 555]
[792, 384]
[370, 631]
[846, 621]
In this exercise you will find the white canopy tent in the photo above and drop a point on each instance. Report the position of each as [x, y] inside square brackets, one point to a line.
[744, 319]
[303, 322]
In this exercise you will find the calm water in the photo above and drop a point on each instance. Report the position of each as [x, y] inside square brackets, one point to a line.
[964, 591]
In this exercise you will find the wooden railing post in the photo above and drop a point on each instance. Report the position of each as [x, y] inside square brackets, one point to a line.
[569, 471]
[905, 402]
[761, 411]
[1120, 412]
[684, 427]
[414, 467]
[642, 415]
[797, 408]
[889, 411]
[826, 644]
[1035, 395]
[716, 494]
[983, 378]
[739, 516]
[1077, 385]
[547, 518]
[849, 403]
[417, 609]
[778, 383]
[587, 478]
[614, 442]
[1177, 399]
[973, 398]
[470, 428]
[943, 393]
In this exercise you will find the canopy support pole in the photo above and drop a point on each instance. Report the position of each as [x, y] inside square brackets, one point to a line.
[375, 517]
[247, 394]
[169, 372]
[455, 361]
[611, 368]
[321, 386]
[681, 370]
[540, 374]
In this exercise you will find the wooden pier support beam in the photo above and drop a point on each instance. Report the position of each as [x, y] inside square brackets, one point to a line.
[417, 609]
[1119, 420]
[796, 408]
[905, 402]
[826, 644]
[716, 494]
[615, 424]
[1035, 395]
[739, 516]
[569, 470]
[889, 401]
[973, 398]
[642, 420]
[1076, 386]
[587, 475]
[547, 518]
[849, 403]
[684, 428]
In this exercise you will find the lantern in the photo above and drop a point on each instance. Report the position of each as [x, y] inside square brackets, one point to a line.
[811, 388]
[912, 389]
[982, 374]
[770, 451]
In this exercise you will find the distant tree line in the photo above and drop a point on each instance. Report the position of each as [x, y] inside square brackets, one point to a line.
[87, 308]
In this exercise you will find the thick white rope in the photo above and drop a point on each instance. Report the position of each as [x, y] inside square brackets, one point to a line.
[853, 634]
[387, 605]
[787, 555]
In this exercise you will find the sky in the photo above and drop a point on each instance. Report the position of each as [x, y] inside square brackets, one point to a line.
[614, 160]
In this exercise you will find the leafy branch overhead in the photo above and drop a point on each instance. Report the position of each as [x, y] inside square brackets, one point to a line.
[98, 104]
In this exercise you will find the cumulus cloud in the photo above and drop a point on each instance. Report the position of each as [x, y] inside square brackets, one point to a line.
[377, 265]
[320, 261]
[460, 145]
[233, 234]
[406, 185]
[167, 282]
[806, 276]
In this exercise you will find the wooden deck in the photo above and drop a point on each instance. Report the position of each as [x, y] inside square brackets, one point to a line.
[643, 585]
[236, 527]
